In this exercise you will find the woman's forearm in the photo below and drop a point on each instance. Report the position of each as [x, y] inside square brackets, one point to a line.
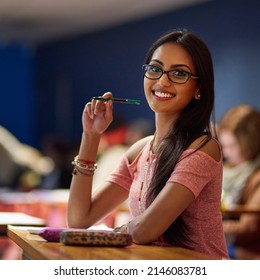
[79, 202]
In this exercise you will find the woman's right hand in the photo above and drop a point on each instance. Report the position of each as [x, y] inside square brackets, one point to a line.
[97, 115]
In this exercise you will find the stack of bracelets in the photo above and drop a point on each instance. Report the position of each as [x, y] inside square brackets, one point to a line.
[83, 167]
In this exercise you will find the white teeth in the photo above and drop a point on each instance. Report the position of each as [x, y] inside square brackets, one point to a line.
[163, 94]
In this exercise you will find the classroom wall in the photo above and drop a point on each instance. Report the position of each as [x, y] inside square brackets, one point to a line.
[70, 72]
[17, 91]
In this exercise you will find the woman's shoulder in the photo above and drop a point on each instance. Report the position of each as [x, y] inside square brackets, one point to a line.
[211, 147]
[136, 148]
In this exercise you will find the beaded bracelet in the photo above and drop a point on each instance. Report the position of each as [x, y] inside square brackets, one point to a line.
[76, 170]
[84, 161]
[80, 164]
[88, 166]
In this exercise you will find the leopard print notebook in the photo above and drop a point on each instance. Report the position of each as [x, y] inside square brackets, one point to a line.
[87, 237]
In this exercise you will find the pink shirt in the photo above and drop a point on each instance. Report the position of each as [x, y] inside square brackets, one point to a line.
[201, 174]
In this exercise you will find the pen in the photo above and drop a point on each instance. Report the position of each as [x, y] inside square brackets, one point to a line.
[119, 100]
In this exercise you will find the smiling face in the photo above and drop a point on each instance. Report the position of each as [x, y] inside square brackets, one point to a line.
[164, 96]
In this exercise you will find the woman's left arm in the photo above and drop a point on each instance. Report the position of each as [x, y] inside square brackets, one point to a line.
[167, 206]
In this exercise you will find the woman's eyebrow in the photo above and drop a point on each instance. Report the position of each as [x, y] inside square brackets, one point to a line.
[172, 66]
[180, 65]
[158, 61]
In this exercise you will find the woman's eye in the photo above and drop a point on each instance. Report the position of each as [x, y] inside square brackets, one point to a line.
[179, 73]
[155, 69]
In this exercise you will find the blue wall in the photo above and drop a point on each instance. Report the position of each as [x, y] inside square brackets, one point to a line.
[17, 105]
[70, 72]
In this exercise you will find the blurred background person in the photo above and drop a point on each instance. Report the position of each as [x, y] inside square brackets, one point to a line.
[239, 135]
[22, 167]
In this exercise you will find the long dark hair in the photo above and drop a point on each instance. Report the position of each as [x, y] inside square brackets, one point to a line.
[193, 122]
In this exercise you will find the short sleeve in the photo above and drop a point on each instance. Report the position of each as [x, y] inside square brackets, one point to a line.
[195, 170]
[122, 175]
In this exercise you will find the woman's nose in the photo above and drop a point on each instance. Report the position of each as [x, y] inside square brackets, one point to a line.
[164, 80]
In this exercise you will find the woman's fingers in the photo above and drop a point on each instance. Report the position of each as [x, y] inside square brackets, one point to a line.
[109, 110]
[98, 114]
[94, 108]
[89, 110]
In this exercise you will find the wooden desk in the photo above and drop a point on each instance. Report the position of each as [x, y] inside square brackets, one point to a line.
[19, 219]
[35, 247]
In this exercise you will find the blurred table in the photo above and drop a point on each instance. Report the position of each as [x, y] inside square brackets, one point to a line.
[239, 210]
[35, 247]
[49, 205]
[18, 219]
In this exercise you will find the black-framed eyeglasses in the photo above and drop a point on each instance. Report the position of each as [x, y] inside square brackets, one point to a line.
[178, 76]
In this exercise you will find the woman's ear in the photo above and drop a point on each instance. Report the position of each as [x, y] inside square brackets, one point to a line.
[197, 95]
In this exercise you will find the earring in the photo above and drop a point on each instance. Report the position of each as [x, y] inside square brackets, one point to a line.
[197, 95]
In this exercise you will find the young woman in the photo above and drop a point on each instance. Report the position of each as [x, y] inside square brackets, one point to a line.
[173, 178]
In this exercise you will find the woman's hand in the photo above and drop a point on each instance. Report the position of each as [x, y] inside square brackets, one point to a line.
[97, 115]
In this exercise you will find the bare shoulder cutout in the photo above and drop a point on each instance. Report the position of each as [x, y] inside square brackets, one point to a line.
[135, 149]
[212, 147]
